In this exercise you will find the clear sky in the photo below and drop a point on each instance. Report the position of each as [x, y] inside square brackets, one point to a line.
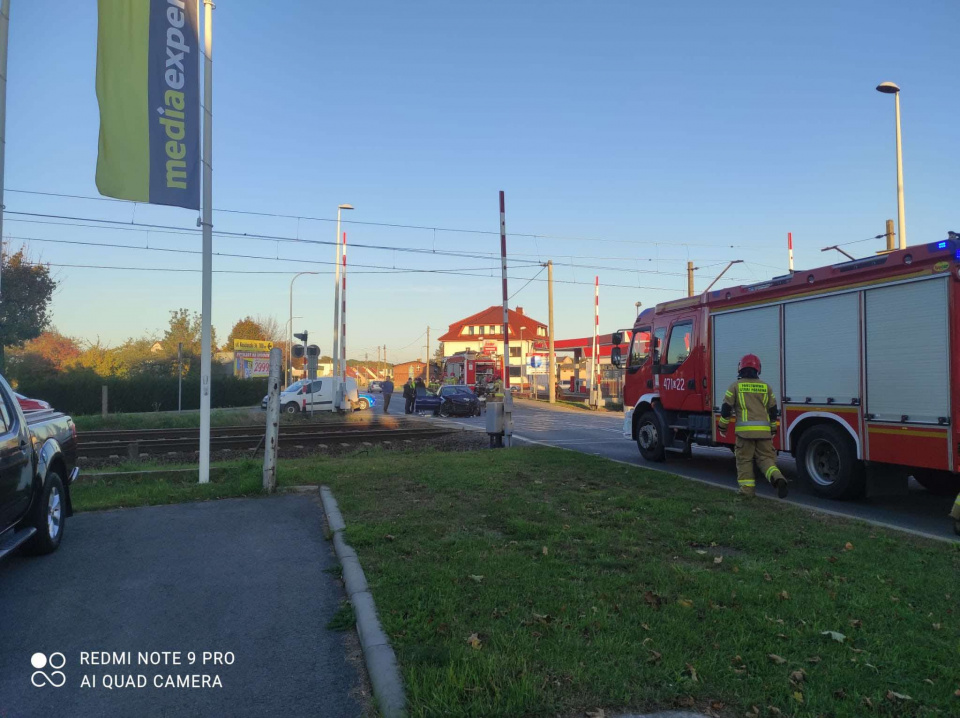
[697, 130]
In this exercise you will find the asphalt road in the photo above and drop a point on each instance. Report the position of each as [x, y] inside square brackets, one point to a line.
[244, 576]
[601, 434]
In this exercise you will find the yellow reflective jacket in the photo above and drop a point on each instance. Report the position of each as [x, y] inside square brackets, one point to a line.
[751, 401]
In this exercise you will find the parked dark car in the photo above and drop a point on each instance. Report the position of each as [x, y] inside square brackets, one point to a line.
[38, 454]
[458, 400]
[426, 401]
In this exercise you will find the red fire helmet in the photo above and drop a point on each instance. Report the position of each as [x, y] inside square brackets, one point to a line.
[749, 361]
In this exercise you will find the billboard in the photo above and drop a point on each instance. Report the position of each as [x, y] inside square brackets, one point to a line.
[252, 345]
[251, 365]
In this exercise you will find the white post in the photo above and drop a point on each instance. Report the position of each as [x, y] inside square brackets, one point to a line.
[595, 360]
[552, 373]
[790, 249]
[272, 438]
[4, 34]
[179, 377]
[901, 221]
[206, 301]
[507, 396]
[335, 355]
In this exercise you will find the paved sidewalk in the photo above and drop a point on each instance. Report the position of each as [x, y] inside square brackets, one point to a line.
[244, 576]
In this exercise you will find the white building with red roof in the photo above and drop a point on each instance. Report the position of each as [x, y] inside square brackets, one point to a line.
[483, 333]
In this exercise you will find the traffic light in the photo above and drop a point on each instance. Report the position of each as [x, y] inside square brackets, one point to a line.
[313, 350]
[616, 354]
[296, 351]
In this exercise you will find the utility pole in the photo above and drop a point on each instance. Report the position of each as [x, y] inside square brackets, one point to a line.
[790, 249]
[4, 32]
[552, 369]
[427, 382]
[690, 279]
[891, 244]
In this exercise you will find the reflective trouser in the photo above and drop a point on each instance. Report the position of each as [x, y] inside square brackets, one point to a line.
[761, 451]
[955, 512]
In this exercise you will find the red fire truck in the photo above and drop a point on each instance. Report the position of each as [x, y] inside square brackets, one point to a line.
[864, 357]
[471, 368]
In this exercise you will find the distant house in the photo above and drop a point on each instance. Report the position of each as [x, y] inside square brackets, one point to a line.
[156, 348]
[416, 369]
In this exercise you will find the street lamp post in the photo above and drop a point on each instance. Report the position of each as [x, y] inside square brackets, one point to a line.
[336, 299]
[290, 335]
[889, 88]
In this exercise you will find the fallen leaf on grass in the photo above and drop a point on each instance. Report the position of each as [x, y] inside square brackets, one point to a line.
[645, 627]
[814, 659]
[692, 672]
[701, 552]
[832, 559]
[838, 637]
[892, 696]
[956, 693]
[848, 546]
[475, 578]
[473, 640]
[686, 702]
[776, 659]
[718, 559]
[767, 576]
[597, 713]
[867, 702]
[798, 696]
[542, 618]
[544, 550]
[856, 623]
[840, 694]
[783, 596]
[655, 657]
[754, 712]
[798, 676]
[653, 599]
[717, 705]
[936, 626]
[774, 711]
[927, 680]
[685, 602]
[736, 660]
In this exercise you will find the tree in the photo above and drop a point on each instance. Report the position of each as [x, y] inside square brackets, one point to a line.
[438, 354]
[185, 327]
[246, 328]
[271, 329]
[25, 301]
[49, 353]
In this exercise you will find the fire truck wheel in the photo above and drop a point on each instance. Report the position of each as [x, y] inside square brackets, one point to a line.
[938, 483]
[827, 460]
[649, 437]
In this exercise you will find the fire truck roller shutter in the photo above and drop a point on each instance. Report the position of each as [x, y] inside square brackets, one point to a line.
[907, 352]
[751, 331]
[822, 349]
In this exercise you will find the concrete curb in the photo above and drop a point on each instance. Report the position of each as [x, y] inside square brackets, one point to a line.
[377, 652]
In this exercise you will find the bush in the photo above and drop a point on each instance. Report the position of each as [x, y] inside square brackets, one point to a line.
[79, 391]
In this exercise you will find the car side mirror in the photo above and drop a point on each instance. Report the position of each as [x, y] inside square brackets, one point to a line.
[616, 356]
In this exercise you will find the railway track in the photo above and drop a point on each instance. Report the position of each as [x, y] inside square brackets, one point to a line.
[133, 443]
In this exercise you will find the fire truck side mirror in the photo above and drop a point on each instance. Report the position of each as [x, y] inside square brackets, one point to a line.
[616, 338]
[655, 353]
[616, 356]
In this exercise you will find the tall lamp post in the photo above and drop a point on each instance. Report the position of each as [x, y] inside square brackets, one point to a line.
[290, 335]
[889, 88]
[336, 298]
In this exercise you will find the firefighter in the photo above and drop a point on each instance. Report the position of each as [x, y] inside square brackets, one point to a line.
[955, 515]
[754, 405]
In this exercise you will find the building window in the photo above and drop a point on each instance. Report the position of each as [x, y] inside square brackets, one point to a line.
[493, 329]
[514, 351]
[515, 371]
[541, 332]
[471, 330]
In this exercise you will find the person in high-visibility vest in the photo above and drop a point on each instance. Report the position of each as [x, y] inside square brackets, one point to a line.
[955, 515]
[753, 404]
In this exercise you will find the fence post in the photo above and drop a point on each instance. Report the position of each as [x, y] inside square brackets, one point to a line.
[103, 401]
[273, 423]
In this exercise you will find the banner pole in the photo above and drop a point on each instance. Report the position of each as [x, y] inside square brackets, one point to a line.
[206, 350]
[4, 35]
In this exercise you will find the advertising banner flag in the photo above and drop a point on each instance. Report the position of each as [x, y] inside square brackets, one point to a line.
[148, 89]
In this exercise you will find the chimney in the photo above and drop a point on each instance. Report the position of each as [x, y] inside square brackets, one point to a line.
[519, 310]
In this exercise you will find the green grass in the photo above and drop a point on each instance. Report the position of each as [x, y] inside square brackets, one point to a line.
[343, 619]
[591, 584]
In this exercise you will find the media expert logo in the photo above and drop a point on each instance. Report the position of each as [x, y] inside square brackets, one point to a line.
[56, 677]
[172, 114]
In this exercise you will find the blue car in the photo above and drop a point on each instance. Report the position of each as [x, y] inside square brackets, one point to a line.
[364, 401]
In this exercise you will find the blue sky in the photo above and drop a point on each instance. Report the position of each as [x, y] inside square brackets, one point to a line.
[699, 130]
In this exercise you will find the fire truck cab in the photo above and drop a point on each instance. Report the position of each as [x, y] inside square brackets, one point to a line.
[862, 356]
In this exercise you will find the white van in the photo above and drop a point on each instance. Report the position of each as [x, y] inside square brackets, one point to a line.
[314, 395]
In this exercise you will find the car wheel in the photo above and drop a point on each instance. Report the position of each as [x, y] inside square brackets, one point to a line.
[364, 404]
[649, 438]
[291, 408]
[827, 460]
[48, 516]
[444, 410]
